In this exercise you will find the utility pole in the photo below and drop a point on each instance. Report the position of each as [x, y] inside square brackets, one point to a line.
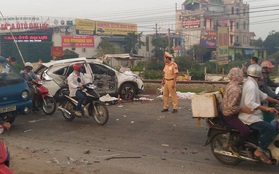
[9, 28]
[156, 29]
[156, 37]
[169, 40]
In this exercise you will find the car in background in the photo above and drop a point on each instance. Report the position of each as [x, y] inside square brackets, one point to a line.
[14, 96]
[105, 78]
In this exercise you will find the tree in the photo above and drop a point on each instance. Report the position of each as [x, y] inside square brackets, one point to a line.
[200, 53]
[271, 43]
[161, 44]
[106, 47]
[132, 42]
[257, 43]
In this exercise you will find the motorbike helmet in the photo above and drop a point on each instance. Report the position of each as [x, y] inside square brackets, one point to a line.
[254, 70]
[267, 64]
[28, 64]
[77, 67]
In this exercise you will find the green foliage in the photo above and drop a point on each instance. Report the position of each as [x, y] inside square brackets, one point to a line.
[200, 52]
[133, 43]
[257, 43]
[271, 43]
[106, 47]
[155, 65]
[152, 74]
[194, 68]
[160, 43]
[139, 67]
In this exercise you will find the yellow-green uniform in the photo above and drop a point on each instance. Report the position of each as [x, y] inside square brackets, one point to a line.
[169, 75]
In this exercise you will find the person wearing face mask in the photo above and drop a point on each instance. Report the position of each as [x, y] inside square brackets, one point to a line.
[76, 80]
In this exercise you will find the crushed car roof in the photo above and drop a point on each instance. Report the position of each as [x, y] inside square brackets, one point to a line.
[48, 64]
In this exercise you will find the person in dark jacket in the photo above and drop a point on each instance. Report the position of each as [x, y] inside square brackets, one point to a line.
[266, 84]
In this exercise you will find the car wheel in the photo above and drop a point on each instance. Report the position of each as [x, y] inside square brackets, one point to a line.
[127, 91]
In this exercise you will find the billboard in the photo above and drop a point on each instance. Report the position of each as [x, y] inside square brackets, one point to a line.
[223, 45]
[191, 22]
[27, 38]
[27, 23]
[208, 39]
[112, 28]
[92, 27]
[77, 41]
[85, 24]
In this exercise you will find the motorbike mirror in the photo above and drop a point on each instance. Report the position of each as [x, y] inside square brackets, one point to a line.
[78, 79]
[277, 90]
[1, 129]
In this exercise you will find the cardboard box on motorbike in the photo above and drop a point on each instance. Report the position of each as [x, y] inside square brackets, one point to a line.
[204, 105]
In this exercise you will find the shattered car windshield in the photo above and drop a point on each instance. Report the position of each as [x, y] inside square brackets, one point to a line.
[8, 74]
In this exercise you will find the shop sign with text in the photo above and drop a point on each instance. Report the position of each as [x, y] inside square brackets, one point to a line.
[191, 22]
[223, 45]
[26, 38]
[77, 41]
[25, 23]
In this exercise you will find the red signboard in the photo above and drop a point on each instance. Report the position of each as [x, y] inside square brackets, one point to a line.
[77, 41]
[56, 51]
[191, 22]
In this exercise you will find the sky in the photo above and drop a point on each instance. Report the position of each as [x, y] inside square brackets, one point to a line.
[264, 14]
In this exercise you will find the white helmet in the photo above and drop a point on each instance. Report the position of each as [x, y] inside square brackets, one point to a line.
[28, 64]
[254, 70]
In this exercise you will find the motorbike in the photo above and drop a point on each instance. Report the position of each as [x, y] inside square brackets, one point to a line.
[91, 107]
[221, 136]
[4, 156]
[43, 99]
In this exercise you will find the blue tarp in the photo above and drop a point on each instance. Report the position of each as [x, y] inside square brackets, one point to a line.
[249, 51]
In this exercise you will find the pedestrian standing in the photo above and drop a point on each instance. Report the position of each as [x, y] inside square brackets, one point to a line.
[254, 60]
[169, 83]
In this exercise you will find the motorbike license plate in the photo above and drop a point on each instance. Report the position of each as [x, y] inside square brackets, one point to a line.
[8, 109]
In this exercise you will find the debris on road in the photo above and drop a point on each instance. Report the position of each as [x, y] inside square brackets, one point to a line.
[165, 145]
[86, 151]
[29, 130]
[122, 157]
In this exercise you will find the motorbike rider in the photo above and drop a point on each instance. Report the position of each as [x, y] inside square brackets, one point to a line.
[76, 80]
[251, 98]
[266, 84]
[231, 107]
[28, 75]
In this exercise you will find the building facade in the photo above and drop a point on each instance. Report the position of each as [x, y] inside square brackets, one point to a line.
[198, 20]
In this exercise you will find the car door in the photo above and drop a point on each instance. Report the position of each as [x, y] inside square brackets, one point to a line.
[86, 72]
[104, 78]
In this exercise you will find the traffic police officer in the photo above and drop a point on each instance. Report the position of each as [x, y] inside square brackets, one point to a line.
[169, 83]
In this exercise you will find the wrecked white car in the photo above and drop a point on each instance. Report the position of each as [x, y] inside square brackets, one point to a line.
[106, 79]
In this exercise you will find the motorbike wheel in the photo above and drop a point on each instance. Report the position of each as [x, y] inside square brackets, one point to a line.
[49, 105]
[9, 119]
[218, 143]
[101, 114]
[70, 107]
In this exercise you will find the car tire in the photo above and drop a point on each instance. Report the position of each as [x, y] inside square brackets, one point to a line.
[127, 91]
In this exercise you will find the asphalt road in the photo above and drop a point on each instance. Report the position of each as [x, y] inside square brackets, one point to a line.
[138, 139]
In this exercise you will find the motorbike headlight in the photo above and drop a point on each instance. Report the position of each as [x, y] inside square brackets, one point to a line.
[24, 94]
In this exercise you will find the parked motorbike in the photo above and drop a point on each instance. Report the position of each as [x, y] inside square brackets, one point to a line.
[4, 156]
[43, 99]
[92, 106]
[221, 136]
